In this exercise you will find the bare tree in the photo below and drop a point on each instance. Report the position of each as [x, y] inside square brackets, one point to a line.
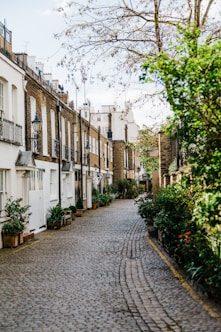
[124, 32]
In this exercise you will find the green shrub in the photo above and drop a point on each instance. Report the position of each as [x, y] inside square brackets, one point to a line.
[73, 208]
[12, 228]
[18, 216]
[54, 216]
[147, 210]
[202, 265]
[79, 204]
[103, 199]
[173, 218]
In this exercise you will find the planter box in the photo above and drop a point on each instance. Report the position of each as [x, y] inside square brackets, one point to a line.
[21, 238]
[79, 212]
[28, 236]
[10, 241]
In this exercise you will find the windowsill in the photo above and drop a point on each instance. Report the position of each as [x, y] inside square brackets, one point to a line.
[52, 199]
[4, 219]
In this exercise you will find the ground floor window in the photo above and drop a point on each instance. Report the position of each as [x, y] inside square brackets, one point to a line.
[53, 184]
[3, 188]
[36, 180]
[69, 185]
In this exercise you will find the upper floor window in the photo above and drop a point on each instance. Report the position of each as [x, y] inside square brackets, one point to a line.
[44, 130]
[1, 96]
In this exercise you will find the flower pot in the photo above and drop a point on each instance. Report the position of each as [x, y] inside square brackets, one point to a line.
[79, 212]
[10, 240]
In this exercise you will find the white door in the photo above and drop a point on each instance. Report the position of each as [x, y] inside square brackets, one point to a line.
[36, 219]
[89, 192]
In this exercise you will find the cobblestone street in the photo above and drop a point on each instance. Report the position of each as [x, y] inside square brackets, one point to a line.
[98, 274]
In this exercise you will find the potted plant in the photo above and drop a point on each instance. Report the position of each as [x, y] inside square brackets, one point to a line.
[73, 210]
[95, 202]
[95, 198]
[12, 231]
[79, 207]
[55, 217]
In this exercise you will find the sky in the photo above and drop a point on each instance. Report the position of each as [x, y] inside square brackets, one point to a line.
[33, 24]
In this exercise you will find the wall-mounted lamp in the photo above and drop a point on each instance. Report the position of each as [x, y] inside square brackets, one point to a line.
[87, 148]
[37, 125]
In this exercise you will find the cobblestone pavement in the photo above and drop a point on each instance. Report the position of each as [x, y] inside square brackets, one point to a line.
[97, 274]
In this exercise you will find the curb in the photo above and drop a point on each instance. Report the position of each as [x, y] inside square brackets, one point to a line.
[213, 313]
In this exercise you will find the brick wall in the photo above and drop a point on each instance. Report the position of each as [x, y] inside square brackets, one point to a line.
[118, 153]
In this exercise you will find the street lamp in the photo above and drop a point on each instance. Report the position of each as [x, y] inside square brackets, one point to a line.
[59, 109]
[37, 125]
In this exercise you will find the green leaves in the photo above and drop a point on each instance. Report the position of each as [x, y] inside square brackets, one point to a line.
[192, 81]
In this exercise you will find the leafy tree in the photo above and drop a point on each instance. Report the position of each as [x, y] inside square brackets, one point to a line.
[147, 148]
[125, 31]
[192, 83]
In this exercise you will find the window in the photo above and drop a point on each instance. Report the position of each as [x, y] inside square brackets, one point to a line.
[15, 103]
[44, 130]
[69, 186]
[1, 96]
[3, 188]
[33, 112]
[36, 180]
[53, 184]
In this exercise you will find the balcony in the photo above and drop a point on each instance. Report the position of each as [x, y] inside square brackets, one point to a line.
[10, 132]
[66, 153]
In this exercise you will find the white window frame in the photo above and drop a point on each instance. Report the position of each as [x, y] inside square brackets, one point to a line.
[3, 188]
[36, 180]
[53, 184]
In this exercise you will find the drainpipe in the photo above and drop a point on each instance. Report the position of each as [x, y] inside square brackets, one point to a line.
[81, 153]
[59, 153]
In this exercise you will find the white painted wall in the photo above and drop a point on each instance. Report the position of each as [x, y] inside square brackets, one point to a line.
[13, 111]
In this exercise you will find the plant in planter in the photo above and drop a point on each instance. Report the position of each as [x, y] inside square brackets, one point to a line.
[55, 217]
[12, 231]
[79, 207]
[95, 198]
[73, 211]
[95, 201]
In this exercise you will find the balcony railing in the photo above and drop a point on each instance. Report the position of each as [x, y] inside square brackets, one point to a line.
[10, 132]
[66, 153]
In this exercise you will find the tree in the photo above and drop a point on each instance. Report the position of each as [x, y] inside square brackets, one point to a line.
[147, 148]
[123, 32]
[192, 83]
